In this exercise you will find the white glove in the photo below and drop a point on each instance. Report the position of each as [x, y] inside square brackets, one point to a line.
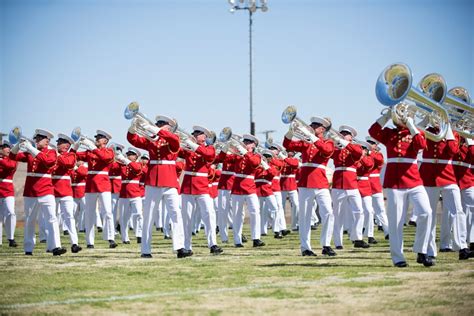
[241, 149]
[151, 128]
[342, 142]
[469, 141]
[449, 133]
[88, 144]
[132, 129]
[411, 126]
[281, 155]
[122, 159]
[384, 118]
[264, 164]
[313, 138]
[32, 150]
[225, 148]
[289, 134]
[190, 144]
[76, 145]
[15, 149]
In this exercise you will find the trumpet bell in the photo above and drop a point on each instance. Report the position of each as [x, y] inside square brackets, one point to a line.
[131, 110]
[225, 134]
[15, 135]
[76, 134]
[289, 114]
[393, 84]
[210, 140]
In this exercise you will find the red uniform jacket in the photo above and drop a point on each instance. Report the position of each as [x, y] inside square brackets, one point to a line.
[374, 176]
[98, 161]
[315, 158]
[115, 176]
[179, 169]
[130, 183]
[78, 180]
[214, 176]
[345, 172]
[62, 174]
[263, 181]
[463, 163]
[142, 179]
[278, 165]
[364, 167]
[163, 153]
[402, 149]
[7, 171]
[38, 178]
[196, 171]
[227, 175]
[288, 174]
[244, 168]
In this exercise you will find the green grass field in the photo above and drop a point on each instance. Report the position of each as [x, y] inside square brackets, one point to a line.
[274, 279]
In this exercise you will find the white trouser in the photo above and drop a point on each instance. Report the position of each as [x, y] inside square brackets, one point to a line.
[396, 212]
[467, 196]
[354, 202]
[7, 216]
[91, 216]
[380, 213]
[115, 209]
[167, 220]
[160, 215]
[314, 214]
[268, 211]
[239, 215]
[451, 210]
[153, 196]
[225, 214]
[280, 216]
[127, 207]
[79, 210]
[47, 207]
[196, 219]
[307, 198]
[347, 219]
[368, 216]
[66, 206]
[203, 204]
[295, 205]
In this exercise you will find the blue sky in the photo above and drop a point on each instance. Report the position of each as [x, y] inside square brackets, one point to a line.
[79, 63]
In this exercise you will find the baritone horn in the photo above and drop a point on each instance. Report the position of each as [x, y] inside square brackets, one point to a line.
[394, 90]
[300, 129]
[16, 136]
[226, 136]
[461, 113]
[139, 121]
[183, 136]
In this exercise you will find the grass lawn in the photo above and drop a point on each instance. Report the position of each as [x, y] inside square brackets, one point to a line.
[274, 279]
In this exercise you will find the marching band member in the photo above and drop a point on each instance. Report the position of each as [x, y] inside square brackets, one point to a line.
[61, 175]
[377, 192]
[7, 194]
[195, 187]
[214, 176]
[144, 160]
[288, 187]
[39, 191]
[115, 177]
[402, 181]
[130, 201]
[438, 177]
[78, 183]
[161, 183]
[313, 184]
[98, 158]
[345, 188]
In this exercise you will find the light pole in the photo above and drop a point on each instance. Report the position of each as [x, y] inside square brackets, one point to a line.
[252, 7]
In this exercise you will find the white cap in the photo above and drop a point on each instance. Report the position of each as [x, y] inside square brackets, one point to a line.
[103, 133]
[349, 129]
[202, 129]
[267, 152]
[165, 118]
[250, 138]
[319, 120]
[274, 145]
[5, 142]
[366, 145]
[145, 156]
[133, 150]
[371, 139]
[43, 132]
[65, 137]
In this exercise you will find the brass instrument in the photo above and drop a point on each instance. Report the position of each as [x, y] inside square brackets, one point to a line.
[300, 129]
[460, 110]
[139, 121]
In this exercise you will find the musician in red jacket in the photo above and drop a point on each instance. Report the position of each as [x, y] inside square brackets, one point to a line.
[78, 183]
[161, 184]
[267, 200]
[402, 181]
[98, 158]
[438, 177]
[61, 176]
[289, 189]
[39, 192]
[213, 177]
[313, 184]
[7, 194]
[115, 176]
[195, 187]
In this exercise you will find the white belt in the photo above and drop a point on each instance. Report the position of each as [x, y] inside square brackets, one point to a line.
[345, 169]
[362, 178]
[314, 165]
[115, 177]
[263, 181]
[276, 178]
[61, 177]
[461, 163]
[97, 172]
[374, 175]
[288, 176]
[440, 161]
[246, 176]
[162, 162]
[80, 184]
[142, 183]
[402, 160]
[6, 180]
[215, 183]
[230, 173]
[38, 175]
[130, 181]
[195, 174]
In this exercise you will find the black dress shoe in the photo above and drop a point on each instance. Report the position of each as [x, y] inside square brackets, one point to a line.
[75, 248]
[361, 244]
[183, 253]
[126, 242]
[263, 234]
[99, 229]
[167, 237]
[244, 238]
[117, 228]
[258, 243]
[380, 228]
[412, 223]
[471, 246]
[59, 251]
[446, 250]
[339, 247]
[90, 246]
[193, 233]
[328, 251]
[42, 241]
[215, 250]
[12, 243]
[82, 231]
[308, 253]
[66, 233]
[239, 246]
[278, 235]
[373, 241]
[295, 229]
[465, 254]
[28, 253]
[146, 255]
[387, 237]
[112, 244]
[401, 264]
[314, 227]
[425, 260]
[285, 232]
[139, 240]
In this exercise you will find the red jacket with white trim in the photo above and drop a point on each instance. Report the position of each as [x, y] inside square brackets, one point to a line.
[364, 167]
[98, 161]
[374, 176]
[244, 178]
[227, 175]
[78, 181]
[115, 176]
[7, 171]
[196, 170]
[345, 172]
[463, 164]
[130, 183]
[288, 174]
[62, 174]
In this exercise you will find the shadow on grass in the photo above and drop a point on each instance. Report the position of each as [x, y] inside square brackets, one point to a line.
[316, 264]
